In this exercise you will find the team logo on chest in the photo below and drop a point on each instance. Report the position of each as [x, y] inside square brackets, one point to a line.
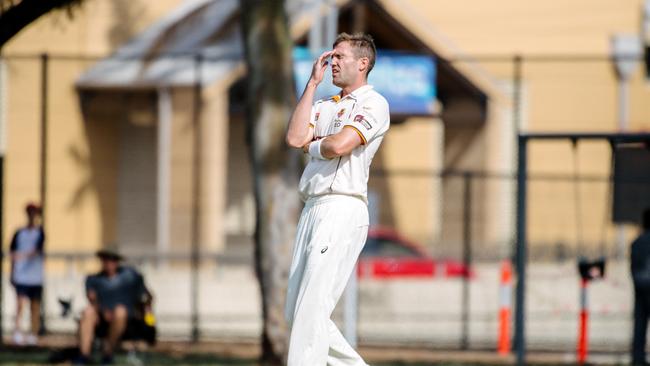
[337, 121]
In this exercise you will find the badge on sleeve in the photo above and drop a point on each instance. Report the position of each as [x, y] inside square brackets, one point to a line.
[362, 120]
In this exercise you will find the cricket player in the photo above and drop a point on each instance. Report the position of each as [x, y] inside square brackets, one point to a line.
[341, 134]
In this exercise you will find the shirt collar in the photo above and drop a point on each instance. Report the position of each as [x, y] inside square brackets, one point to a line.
[355, 94]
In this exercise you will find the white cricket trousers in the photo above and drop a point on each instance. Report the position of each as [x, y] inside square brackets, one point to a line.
[331, 233]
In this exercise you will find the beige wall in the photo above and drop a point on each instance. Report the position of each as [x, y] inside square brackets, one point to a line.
[558, 96]
[504, 27]
[239, 216]
[408, 190]
[74, 212]
[214, 164]
[214, 132]
[96, 28]
[21, 178]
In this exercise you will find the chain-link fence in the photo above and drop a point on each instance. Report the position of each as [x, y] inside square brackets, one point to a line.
[162, 170]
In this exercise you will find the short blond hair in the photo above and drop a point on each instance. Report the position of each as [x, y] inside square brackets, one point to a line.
[363, 46]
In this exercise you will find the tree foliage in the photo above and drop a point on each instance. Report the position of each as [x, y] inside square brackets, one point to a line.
[18, 14]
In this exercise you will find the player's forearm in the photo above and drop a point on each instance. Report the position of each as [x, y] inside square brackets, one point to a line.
[335, 146]
[298, 132]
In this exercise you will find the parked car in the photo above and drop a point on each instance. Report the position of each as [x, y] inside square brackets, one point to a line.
[387, 254]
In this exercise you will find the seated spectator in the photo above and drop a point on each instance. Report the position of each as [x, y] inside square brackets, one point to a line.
[117, 300]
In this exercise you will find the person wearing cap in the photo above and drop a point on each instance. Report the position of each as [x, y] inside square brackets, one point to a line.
[114, 295]
[26, 252]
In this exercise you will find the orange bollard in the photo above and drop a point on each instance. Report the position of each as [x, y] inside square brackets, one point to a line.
[583, 341]
[505, 290]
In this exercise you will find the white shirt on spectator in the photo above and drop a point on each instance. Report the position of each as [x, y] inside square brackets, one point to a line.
[28, 270]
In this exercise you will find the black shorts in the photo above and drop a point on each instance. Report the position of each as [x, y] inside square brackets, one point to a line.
[136, 329]
[30, 291]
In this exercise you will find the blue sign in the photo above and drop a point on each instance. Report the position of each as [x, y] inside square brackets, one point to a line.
[407, 81]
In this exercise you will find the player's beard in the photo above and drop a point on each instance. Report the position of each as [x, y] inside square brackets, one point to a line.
[340, 80]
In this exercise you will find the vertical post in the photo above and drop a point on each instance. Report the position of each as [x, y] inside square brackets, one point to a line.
[43, 173]
[2, 194]
[331, 23]
[351, 308]
[623, 123]
[467, 257]
[516, 93]
[2, 184]
[505, 293]
[43, 183]
[196, 192]
[583, 341]
[516, 122]
[520, 254]
[623, 103]
[625, 50]
[315, 41]
[164, 158]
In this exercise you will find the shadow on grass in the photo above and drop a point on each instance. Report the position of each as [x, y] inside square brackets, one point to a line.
[40, 356]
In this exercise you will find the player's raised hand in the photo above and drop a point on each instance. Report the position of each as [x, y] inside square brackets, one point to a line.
[318, 70]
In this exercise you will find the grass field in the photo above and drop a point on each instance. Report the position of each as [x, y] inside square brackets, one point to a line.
[40, 357]
[28, 357]
[181, 353]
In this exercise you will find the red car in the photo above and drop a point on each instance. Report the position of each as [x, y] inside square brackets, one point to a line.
[389, 255]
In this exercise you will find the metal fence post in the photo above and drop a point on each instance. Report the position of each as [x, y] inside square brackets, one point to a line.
[196, 193]
[467, 256]
[43, 173]
[2, 193]
[520, 255]
[516, 93]
[520, 249]
[43, 178]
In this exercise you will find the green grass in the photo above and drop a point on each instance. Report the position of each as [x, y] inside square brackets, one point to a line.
[39, 357]
[28, 357]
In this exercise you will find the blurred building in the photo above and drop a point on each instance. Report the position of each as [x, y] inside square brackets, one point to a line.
[121, 138]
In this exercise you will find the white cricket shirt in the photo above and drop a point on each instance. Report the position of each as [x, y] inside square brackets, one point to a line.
[363, 110]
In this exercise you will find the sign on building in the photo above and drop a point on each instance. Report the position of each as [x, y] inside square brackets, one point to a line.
[407, 81]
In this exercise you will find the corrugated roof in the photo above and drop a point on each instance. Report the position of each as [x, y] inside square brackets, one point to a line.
[164, 54]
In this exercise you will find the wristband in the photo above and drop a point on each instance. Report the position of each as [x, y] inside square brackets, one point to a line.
[314, 150]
